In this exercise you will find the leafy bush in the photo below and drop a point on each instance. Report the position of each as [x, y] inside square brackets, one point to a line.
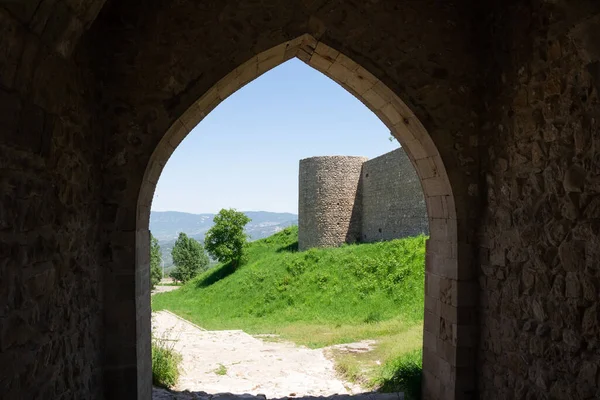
[189, 258]
[402, 374]
[165, 363]
[226, 240]
[155, 258]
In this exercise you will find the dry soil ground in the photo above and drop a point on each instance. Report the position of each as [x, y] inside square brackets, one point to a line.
[233, 361]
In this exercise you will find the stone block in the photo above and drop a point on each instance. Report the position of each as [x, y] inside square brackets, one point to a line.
[12, 38]
[465, 293]
[432, 285]
[431, 322]
[431, 385]
[31, 128]
[319, 62]
[435, 187]
[10, 111]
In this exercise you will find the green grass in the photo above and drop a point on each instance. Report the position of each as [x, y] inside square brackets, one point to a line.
[374, 369]
[221, 370]
[165, 363]
[317, 297]
[402, 373]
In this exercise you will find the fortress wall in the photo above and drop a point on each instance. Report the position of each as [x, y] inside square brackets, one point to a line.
[328, 213]
[393, 205]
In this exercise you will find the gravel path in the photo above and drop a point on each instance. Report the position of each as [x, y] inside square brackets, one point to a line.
[250, 365]
[163, 289]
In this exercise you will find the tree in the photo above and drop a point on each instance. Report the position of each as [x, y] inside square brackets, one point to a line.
[189, 258]
[155, 257]
[226, 240]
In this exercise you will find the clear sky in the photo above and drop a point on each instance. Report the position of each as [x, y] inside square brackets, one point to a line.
[245, 153]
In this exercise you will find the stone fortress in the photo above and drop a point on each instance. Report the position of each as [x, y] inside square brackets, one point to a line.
[497, 103]
[345, 199]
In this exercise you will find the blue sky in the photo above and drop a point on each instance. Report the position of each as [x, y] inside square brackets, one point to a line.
[245, 153]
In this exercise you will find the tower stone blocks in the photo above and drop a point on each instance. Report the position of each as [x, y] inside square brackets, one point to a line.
[328, 210]
[348, 199]
[393, 205]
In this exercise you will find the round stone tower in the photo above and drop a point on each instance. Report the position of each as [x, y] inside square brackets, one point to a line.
[329, 201]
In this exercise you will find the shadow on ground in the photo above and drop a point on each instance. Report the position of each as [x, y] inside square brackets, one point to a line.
[290, 248]
[217, 274]
[164, 394]
[406, 376]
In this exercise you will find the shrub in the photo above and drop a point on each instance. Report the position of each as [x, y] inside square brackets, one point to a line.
[165, 363]
[189, 258]
[155, 260]
[403, 374]
[226, 240]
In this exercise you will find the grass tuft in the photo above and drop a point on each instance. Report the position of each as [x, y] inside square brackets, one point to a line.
[402, 374]
[165, 363]
[221, 370]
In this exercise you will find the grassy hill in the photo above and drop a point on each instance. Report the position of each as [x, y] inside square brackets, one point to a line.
[166, 225]
[317, 297]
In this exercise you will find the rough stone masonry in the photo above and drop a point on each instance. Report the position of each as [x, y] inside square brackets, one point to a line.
[351, 199]
[495, 102]
[163, 394]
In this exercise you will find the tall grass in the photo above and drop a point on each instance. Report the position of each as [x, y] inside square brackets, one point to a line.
[278, 286]
[402, 374]
[165, 363]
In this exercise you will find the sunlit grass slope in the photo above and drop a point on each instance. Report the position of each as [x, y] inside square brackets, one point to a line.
[279, 288]
[321, 297]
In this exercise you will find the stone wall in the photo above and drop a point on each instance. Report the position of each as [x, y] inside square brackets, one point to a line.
[328, 211]
[164, 66]
[393, 205]
[539, 264]
[349, 199]
[51, 293]
[495, 102]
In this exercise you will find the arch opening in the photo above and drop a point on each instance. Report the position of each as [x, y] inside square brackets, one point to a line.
[440, 344]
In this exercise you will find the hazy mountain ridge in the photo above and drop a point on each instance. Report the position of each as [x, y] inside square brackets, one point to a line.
[166, 225]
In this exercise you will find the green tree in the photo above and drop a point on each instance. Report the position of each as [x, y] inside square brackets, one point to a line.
[155, 256]
[189, 258]
[226, 240]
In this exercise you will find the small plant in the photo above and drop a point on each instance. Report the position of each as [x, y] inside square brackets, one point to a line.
[349, 368]
[222, 370]
[403, 374]
[372, 317]
[165, 363]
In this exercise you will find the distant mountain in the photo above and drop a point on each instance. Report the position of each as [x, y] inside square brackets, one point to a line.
[166, 225]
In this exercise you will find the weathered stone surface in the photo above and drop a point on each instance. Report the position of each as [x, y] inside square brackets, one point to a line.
[549, 132]
[329, 201]
[502, 96]
[393, 203]
[349, 199]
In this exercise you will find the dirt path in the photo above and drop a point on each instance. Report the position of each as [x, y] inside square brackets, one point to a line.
[163, 289]
[235, 362]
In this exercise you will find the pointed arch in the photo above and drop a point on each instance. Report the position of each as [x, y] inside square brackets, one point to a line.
[448, 358]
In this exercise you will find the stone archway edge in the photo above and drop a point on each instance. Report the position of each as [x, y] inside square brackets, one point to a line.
[450, 330]
[404, 125]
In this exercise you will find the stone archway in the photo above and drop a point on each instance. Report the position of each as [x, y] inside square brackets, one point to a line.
[449, 326]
